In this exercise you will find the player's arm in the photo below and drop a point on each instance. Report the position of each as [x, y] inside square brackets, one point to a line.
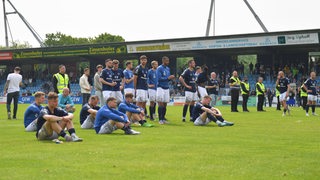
[117, 116]
[6, 87]
[218, 112]
[288, 90]
[183, 82]
[207, 110]
[92, 111]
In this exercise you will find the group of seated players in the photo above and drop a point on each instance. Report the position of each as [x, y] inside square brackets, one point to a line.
[50, 121]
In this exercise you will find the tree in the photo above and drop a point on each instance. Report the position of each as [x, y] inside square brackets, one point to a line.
[60, 39]
[17, 45]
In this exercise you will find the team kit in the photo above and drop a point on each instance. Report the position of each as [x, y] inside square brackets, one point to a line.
[121, 96]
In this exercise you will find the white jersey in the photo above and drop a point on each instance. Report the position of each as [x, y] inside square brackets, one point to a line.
[15, 80]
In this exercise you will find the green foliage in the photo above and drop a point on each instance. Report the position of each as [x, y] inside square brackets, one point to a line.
[17, 45]
[259, 146]
[60, 39]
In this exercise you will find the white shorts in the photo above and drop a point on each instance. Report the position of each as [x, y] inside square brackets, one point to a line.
[152, 94]
[128, 90]
[44, 135]
[141, 95]
[88, 123]
[118, 95]
[202, 91]
[191, 96]
[107, 128]
[32, 126]
[312, 97]
[163, 95]
[283, 97]
[199, 122]
[106, 95]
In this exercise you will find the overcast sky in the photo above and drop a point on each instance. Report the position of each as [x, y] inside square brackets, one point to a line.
[155, 19]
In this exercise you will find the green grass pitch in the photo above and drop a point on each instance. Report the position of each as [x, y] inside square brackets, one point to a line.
[261, 145]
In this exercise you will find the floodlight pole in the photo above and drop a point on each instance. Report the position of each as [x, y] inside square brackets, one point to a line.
[5, 24]
[256, 16]
[32, 30]
[209, 19]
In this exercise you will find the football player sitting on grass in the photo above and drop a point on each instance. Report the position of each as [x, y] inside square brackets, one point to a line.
[88, 112]
[134, 112]
[33, 111]
[53, 120]
[108, 119]
[203, 114]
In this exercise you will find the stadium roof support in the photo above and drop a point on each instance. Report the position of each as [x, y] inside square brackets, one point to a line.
[212, 14]
[6, 24]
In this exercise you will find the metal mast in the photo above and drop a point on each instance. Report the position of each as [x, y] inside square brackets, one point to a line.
[256, 16]
[32, 30]
[212, 8]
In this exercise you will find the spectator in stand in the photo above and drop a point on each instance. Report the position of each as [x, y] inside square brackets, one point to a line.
[251, 68]
[65, 102]
[85, 86]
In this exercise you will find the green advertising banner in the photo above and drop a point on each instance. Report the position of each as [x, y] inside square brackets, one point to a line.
[48, 52]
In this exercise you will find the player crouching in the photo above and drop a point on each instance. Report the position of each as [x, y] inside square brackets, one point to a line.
[203, 114]
[134, 112]
[53, 120]
[109, 119]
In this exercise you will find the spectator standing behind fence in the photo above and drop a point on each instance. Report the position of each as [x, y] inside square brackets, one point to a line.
[12, 91]
[213, 88]
[85, 86]
[60, 80]
[98, 85]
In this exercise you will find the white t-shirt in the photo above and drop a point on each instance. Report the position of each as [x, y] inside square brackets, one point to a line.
[14, 83]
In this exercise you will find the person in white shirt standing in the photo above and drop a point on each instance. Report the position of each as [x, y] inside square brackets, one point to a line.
[12, 91]
[85, 86]
[98, 84]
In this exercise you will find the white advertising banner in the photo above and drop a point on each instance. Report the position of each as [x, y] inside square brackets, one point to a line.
[293, 39]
